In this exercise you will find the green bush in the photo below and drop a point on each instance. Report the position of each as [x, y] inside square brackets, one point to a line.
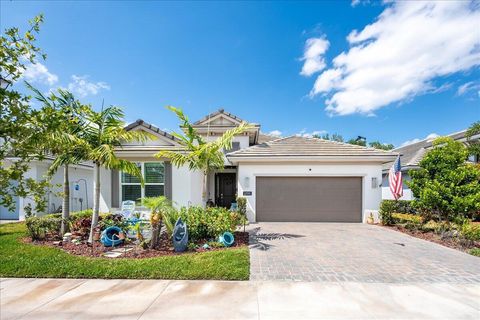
[474, 252]
[388, 207]
[40, 228]
[409, 221]
[204, 223]
[470, 231]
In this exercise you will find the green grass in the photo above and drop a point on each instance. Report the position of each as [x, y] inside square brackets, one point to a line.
[474, 252]
[18, 259]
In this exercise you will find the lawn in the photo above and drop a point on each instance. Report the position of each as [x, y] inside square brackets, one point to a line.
[18, 259]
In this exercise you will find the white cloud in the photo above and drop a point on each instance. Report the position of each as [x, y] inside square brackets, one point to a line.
[395, 58]
[431, 136]
[306, 134]
[275, 133]
[82, 87]
[38, 73]
[313, 53]
[467, 87]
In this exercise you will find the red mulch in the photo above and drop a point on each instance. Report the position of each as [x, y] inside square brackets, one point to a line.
[164, 249]
[433, 237]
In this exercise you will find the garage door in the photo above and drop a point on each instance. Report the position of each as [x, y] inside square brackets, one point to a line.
[309, 199]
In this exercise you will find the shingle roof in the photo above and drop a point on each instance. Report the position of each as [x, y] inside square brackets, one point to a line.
[412, 154]
[147, 125]
[295, 146]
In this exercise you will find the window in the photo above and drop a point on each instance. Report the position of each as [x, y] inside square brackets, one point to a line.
[154, 177]
[235, 147]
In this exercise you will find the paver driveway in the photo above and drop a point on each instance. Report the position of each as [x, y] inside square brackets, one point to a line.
[353, 252]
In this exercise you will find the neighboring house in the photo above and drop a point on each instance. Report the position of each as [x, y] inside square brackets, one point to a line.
[81, 189]
[283, 179]
[410, 157]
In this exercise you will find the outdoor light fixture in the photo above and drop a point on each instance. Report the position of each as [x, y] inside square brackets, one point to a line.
[246, 182]
[374, 182]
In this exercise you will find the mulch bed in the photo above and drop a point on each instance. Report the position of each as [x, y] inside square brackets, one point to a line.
[433, 237]
[164, 249]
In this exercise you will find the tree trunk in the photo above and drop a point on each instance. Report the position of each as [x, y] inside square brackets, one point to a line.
[66, 200]
[96, 202]
[205, 188]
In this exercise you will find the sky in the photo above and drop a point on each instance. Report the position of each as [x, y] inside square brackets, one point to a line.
[389, 71]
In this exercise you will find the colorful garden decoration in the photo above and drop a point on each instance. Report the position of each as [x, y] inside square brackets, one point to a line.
[112, 236]
[180, 236]
[226, 239]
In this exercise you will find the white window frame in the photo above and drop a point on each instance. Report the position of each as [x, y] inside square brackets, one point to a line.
[142, 189]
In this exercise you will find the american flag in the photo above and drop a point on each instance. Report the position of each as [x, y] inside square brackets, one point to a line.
[395, 179]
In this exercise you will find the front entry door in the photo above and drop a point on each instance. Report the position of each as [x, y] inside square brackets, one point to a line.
[225, 189]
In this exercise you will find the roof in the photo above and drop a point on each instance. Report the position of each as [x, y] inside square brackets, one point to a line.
[153, 128]
[216, 113]
[412, 154]
[302, 148]
[263, 137]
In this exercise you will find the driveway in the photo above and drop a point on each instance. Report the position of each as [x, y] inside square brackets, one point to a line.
[340, 252]
[162, 299]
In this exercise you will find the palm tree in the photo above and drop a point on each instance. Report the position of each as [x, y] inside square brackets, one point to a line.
[159, 207]
[61, 114]
[104, 132]
[197, 153]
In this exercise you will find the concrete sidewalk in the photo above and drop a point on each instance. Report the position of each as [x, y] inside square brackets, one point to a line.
[163, 299]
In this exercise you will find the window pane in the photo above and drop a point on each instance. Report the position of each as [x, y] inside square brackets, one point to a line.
[154, 172]
[154, 190]
[127, 178]
[131, 192]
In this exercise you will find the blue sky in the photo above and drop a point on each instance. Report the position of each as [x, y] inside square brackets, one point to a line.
[400, 77]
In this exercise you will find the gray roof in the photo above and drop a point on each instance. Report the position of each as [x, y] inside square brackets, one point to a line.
[412, 154]
[147, 125]
[213, 114]
[295, 146]
[263, 137]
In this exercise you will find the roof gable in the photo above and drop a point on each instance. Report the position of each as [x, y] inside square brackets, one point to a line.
[162, 138]
[219, 118]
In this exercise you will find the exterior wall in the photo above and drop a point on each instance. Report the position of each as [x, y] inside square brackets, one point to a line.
[371, 196]
[186, 187]
[387, 195]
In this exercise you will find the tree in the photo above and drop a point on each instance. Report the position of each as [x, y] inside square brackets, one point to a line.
[159, 207]
[473, 145]
[334, 137]
[63, 114]
[381, 146]
[104, 131]
[359, 141]
[21, 135]
[197, 153]
[445, 185]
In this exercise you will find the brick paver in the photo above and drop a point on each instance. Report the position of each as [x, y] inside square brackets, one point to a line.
[336, 252]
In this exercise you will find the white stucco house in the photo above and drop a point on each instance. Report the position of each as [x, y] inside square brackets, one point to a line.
[410, 157]
[283, 179]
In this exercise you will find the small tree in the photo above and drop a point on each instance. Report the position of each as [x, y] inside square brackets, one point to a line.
[381, 146]
[197, 153]
[242, 209]
[104, 131]
[445, 185]
[63, 115]
[473, 145]
[159, 207]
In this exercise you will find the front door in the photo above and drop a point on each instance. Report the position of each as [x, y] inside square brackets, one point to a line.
[225, 189]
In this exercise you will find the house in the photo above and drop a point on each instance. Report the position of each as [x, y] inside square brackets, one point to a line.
[283, 179]
[410, 157]
[81, 189]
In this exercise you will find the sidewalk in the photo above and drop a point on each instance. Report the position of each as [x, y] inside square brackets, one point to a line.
[164, 299]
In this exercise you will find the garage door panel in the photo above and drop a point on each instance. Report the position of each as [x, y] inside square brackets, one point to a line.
[315, 199]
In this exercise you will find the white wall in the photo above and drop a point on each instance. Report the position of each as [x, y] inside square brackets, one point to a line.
[186, 186]
[371, 196]
[387, 194]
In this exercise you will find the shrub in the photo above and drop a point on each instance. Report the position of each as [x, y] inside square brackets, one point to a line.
[81, 227]
[445, 185]
[406, 218]
[388, 207]
[470, 231]
[474, 252]
[204, 223]
[40, 228]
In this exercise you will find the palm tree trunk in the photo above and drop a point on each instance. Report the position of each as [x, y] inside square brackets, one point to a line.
[205, 188]
[96, 202]
[66, 200]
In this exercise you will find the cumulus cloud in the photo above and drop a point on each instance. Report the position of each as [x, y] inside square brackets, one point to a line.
[38, 73]
[431, 136]
[275, 133]
[313, 55]
[306, 134]
[82, 87]
[410, 46]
